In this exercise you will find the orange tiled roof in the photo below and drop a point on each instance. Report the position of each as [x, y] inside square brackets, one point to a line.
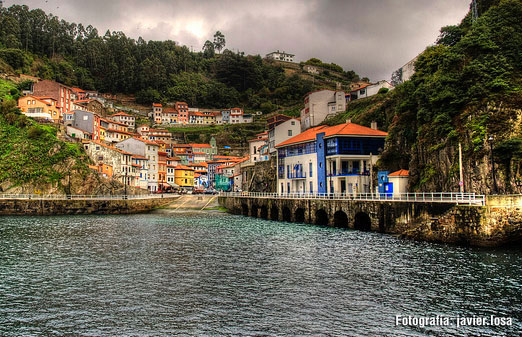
[199, 145]
[157, 104]
[346, 129]
[400, 173]
[183, 167]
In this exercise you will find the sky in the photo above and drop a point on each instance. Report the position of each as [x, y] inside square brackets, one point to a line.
[371, 37]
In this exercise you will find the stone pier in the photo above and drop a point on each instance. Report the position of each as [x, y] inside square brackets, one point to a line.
[497, 223]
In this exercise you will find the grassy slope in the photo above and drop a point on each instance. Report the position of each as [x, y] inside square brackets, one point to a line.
[31, 153]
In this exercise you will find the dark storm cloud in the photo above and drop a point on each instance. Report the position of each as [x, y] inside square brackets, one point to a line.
[371, 37]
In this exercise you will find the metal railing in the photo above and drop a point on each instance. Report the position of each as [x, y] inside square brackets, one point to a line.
[85, 197]
[447, 197]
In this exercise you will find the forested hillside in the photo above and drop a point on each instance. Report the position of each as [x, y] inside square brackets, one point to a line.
[40, 44]
[467, 89]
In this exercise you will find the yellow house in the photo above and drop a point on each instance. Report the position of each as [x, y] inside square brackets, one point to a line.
[184, 176]
[102, 133]
[40, 107]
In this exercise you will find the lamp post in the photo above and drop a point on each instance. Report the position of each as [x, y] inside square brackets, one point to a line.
[126, 171]
[490, 140]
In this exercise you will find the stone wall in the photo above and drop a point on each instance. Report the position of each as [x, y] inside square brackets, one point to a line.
[83, 207]
[437, 222]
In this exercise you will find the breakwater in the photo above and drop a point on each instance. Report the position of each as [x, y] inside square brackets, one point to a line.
[57, 206]
[497, 223]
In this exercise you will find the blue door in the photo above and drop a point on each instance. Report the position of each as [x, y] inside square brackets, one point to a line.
[389, 189]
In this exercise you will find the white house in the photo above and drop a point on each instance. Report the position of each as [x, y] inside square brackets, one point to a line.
[256, 146]
[280, 56]
[369, 89]
[147, 149]
[283, 131]
[398, 181]
[321, 104]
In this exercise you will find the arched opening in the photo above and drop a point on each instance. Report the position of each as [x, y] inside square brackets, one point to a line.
[300, 215]
[274, 213]
[340, 219]
[244, 209]
[264, 212]
[362, 222]
[287, 214]
[321, 218]
[254, 211]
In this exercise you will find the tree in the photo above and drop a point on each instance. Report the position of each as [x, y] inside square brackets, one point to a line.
[219, 41]
[208, 50]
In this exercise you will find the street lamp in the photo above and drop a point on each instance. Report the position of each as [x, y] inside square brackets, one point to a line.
[490, 140]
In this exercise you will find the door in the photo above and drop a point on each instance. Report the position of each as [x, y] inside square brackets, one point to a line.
[343, 186]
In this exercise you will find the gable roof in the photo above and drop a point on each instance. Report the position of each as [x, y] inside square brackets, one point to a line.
[400, 173]
[346, 129]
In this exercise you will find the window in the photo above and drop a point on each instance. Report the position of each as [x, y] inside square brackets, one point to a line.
[310, 169]
[292, 122]
[289, 133]
[311, 187]
[288, 187]
[85, 118]
[362, 91]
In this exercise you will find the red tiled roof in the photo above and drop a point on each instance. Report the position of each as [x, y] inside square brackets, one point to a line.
[157, 104]
[305, 136]
[139, 157]
[183, 167]
[200, 145]
[351, 129]
[346, 129]
[120, 114]
[400, 173]
[170, 109]
[257, 139]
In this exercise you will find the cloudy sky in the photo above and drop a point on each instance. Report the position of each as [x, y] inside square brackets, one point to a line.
[372, 37]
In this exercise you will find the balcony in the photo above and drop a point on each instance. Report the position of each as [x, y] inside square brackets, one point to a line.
[296, 175]
[346, 172]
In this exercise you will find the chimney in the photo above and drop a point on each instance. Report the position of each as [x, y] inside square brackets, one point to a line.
[349, 120]
[374, 125]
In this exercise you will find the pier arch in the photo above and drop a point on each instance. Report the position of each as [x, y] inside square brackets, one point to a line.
[264, 212]
[300, 215]
[321, 217]
[244, 209]
[274, 213]
[287, 214]
[254, 210]
[362, 222]
[340, 219]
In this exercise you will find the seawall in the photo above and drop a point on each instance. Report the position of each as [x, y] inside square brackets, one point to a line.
[71, 207]
[498, 223]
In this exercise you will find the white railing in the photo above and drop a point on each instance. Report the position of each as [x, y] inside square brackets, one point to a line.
[85, 197]
[448, 197]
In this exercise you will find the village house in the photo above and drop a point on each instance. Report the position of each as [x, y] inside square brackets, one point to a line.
[40, 107]
[169, 116]
[184, 177]
[120, 161]
[280, 56]
[281, 128]
[124, 118]
[369, 89]
[86, 121]
[336, 159]
[147, 149]
[62, 94]
[196, 117]
[255, 147]
[142, 166]
[183, 109]
[320, 105]
[157, 110]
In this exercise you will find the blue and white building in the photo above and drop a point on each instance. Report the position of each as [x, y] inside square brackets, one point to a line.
[324, 159]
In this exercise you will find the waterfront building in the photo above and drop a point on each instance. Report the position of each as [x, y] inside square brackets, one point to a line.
[323, 159]
[147, 149]
[256, 147]
[120, 161]
[184, 176]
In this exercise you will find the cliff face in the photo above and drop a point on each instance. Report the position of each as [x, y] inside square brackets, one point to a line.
[467, 89]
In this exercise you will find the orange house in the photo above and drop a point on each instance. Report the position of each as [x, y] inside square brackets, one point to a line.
[40, 107]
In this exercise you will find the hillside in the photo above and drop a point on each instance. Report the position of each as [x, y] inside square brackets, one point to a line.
[467, 89]
[34, 160]
[40, 44]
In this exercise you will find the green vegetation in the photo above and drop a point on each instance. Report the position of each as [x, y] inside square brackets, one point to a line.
[233, 135]
[31, 153]
[7, 90]
[39, 44]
